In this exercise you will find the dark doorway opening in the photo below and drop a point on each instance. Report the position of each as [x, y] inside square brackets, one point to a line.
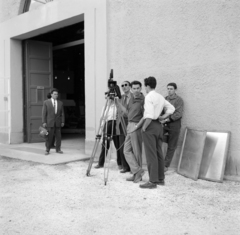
[68, 76]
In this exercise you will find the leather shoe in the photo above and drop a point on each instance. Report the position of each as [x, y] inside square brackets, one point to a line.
[120, 167]
[138, 176]
[130, 178]
[148, 185]
[124, 171]
[59, 151]
[46, 153]
[98, 166]
[160, 182]
[165, 169]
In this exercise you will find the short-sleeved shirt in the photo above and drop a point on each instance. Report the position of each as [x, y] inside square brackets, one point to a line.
[135, 108]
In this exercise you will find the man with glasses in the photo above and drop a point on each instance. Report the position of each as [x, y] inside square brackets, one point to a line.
[124, 101]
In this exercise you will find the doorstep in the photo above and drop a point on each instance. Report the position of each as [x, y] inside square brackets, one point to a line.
[36, 153]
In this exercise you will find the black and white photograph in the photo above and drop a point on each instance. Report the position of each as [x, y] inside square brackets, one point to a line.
[119, 117]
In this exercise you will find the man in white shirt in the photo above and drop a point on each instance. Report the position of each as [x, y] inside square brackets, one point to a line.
[152, 133]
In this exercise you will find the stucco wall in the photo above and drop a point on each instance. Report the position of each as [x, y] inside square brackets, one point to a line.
[193, 43]
[9, 9]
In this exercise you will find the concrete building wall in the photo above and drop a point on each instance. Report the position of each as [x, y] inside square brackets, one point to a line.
[193, 43]
[51, 16]
[9, 9]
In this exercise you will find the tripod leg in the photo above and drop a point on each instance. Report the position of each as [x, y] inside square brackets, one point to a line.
[107, 163]
[98, 137]
[92, 156]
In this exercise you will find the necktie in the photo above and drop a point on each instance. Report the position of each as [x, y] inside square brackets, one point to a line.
[54, 107]
[125, 101]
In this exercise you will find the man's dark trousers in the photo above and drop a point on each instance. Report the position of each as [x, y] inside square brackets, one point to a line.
[53, 131]
[121, 146]
[152, 139]
[105, 148]
[173, 130]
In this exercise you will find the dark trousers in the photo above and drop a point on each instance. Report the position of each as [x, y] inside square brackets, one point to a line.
[106, 143]
[152, 139]
[53, 131]
[53, 142]
[121, 146]
[173, 130]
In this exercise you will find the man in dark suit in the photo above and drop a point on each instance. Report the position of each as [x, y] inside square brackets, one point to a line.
[53, 120]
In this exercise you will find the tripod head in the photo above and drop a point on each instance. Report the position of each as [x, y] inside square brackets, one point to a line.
[113, 88]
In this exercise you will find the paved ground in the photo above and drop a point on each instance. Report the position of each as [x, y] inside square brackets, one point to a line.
[60, 199]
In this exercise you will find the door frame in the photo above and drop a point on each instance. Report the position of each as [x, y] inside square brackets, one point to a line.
[53, 16]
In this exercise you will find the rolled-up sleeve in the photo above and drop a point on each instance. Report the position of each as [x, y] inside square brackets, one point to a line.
[168, 108]
[148, 108]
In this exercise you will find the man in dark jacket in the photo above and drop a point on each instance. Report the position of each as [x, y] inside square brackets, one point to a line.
[172, 124]
[53, 120]
[126, 86]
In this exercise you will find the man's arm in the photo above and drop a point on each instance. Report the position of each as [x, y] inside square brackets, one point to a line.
[168, 110]
[120, 106]
[63, 116]
[146, 124]
[148, 113]
[178, 110]
[44, 114]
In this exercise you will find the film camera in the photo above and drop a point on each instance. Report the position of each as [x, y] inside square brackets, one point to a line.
[113, 88]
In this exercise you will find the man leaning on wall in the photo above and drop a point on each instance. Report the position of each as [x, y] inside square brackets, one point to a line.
[172, 125]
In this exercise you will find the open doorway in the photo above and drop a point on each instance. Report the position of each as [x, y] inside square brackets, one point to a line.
[67, 75]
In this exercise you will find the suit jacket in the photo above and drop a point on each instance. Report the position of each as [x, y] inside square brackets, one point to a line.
[49, 116]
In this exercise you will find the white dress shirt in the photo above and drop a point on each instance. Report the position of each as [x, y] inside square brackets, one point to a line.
[168, 107]
[154, 105]
[55, 104]
[112, 113]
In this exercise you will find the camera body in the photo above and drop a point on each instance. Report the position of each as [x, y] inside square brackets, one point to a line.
[113, 88]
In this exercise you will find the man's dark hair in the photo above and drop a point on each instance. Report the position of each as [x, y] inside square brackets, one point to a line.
[172, 84]
[150, 81]
[54, 90]
[129, 83]
[136, 83]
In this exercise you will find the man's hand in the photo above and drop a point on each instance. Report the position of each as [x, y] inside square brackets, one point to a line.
[62, 125]
[44, 125]
[161, 118]
[116, 98]
[146, 124]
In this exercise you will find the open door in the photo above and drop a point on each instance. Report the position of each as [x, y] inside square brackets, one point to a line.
[38, 83]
